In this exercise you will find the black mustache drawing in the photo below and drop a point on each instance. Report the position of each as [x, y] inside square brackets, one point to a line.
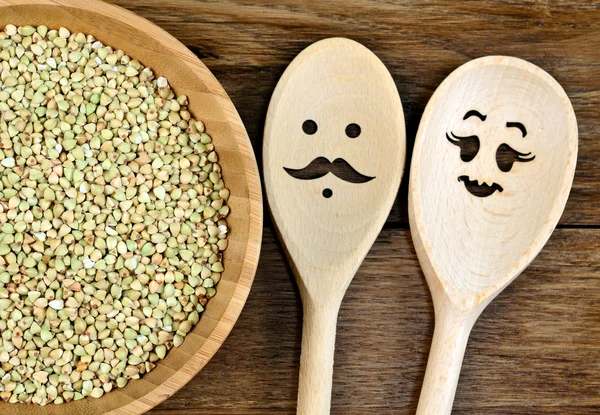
[480, 190]
[320, 167]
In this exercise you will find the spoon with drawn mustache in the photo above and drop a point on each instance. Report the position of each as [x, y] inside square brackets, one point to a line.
[321, 166]
[337, 99]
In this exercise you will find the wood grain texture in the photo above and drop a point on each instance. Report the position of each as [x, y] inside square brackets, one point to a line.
[248, 44]
[535, 349]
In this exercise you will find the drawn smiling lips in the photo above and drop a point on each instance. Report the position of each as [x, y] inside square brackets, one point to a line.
[480, 190]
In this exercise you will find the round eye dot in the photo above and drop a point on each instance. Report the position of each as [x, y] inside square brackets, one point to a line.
[327, 193]
[309, 127]
[353, 130]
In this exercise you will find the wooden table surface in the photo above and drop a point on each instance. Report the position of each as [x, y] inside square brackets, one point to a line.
[536, 349]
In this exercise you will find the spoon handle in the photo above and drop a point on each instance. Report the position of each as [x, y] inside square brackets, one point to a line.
[448, 347]
[316, 360]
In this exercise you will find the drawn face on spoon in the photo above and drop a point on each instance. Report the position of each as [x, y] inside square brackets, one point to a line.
[321, 166]
[492, 167]
[334, 148]
[506, 156]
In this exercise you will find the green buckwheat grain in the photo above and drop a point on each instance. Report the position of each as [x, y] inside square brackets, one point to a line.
[112, 217]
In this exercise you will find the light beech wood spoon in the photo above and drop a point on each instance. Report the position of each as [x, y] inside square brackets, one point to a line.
[334, 150]
[492, 169]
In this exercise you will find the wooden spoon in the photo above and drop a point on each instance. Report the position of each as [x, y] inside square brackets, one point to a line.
[334, 152]
[492, 168]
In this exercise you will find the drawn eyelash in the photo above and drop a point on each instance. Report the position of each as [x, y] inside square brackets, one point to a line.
[523, 157]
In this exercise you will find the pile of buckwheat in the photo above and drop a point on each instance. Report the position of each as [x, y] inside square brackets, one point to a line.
[112, 217]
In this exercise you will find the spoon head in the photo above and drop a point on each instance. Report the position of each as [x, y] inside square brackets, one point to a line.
[333, 158]
[492, 168]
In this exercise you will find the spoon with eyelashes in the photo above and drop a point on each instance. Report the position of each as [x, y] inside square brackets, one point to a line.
[482, 205]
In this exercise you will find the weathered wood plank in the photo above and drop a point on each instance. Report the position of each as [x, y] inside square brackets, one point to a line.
[248, 44]
[533, 351]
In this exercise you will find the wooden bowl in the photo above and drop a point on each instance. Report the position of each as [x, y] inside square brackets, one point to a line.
[161, 52]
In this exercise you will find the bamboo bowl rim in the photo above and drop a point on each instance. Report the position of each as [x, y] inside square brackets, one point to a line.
[208, 101]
